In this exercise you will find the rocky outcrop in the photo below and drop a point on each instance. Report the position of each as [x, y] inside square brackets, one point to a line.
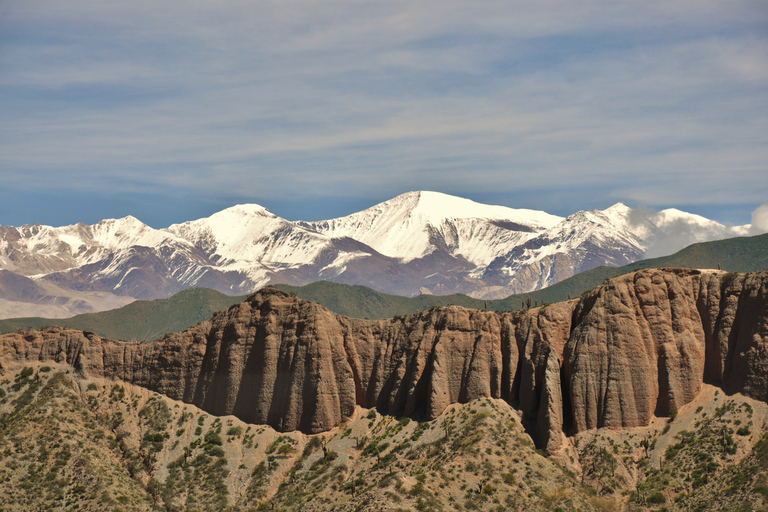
[637, 349]
[639, 345]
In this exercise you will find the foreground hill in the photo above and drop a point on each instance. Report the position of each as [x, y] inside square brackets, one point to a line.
[95, 445]
[625, 388]
[70, 442]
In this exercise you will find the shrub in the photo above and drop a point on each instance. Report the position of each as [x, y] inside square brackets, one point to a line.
[156, 412]
[286, 449]
[213, 438]
[509, 478]
[216, 451]
[312, 445]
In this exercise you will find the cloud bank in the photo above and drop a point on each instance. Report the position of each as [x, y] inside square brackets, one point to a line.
[555, 105]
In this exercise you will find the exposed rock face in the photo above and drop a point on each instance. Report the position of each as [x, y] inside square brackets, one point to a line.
[640, 345]
[637, 349]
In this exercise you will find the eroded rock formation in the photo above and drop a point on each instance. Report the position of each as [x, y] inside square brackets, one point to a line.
[639, 345]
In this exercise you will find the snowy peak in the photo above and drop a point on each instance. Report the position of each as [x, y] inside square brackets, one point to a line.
[242, 211]
[674, 229]
[228, 220]
[106, 235]
[618, 211]
[43, 250]
[248, 233]
[116, 234]
[436, 207]
[415, 224]
[604, 228]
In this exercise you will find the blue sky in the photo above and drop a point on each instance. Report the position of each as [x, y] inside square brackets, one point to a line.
[173, 110]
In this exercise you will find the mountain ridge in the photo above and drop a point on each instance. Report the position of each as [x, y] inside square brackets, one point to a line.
[295, 365]
[419, 242]
[742, 254]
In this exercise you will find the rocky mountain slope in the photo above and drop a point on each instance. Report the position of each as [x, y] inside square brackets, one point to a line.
[625, 387]
[639, 346]
[419, 242]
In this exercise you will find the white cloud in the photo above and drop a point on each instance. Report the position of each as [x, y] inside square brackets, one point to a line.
[660, 102]
[760, 218]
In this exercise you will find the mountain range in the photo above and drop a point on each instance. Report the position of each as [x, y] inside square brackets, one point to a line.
[150, 320]
[416, 243]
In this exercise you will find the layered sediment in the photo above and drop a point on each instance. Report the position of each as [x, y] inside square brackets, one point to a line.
[637, 346]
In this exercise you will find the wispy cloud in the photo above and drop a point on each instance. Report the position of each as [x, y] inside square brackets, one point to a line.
[660, 103]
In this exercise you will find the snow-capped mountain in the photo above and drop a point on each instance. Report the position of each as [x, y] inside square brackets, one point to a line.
[41, 249]
[579, 242]
[416, 224]
[256, 244]
[418, 242]
[235, 251]
[121, 256]
[249, 233]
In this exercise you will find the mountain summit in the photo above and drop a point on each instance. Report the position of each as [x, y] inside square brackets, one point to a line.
[415, 224]
[418, 242]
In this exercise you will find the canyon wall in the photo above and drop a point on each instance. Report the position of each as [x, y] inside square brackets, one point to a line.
[637, 346]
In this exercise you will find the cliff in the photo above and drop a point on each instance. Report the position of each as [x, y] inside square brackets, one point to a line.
[639, 345]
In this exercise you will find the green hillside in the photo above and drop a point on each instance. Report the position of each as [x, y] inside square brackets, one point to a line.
[141, 320]
[363, 302]
[742, 254]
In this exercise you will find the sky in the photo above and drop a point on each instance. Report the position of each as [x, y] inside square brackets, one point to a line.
[173, 110]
